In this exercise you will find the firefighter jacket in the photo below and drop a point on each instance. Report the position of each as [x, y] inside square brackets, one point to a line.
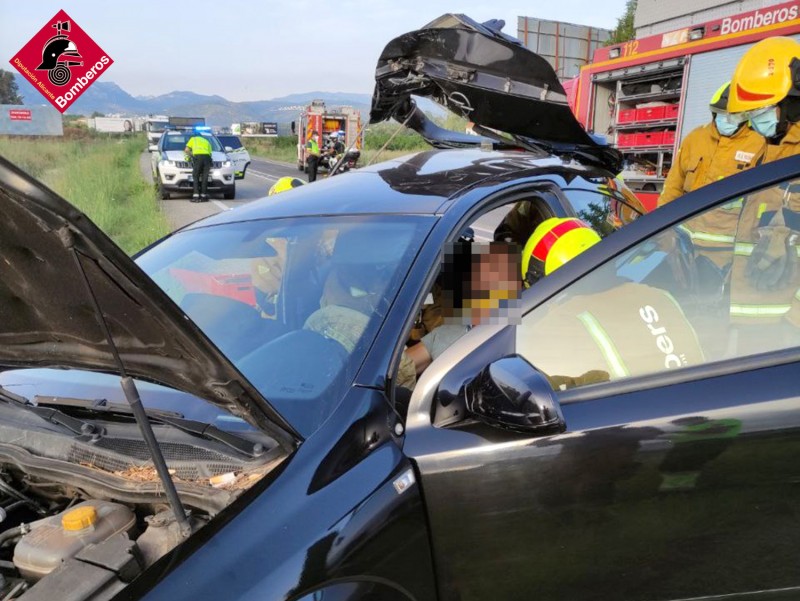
[629, 330]
[705, 157]
[765, 278]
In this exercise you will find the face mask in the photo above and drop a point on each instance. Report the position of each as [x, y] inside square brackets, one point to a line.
[766, 123]
[725, 125]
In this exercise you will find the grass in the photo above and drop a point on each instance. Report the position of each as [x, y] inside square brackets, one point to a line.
[284, 148]
[100, 175]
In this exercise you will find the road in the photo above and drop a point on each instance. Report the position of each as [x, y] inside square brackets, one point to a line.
[260, 176]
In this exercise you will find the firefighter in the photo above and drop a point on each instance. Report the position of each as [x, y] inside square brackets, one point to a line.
[765, 280]
[284, 184]
[724, 146]
[312, 155]
[198, 149]
[629, 329]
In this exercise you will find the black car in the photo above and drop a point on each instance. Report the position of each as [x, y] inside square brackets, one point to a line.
[221, 419]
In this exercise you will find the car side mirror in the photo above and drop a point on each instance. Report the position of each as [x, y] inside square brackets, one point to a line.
[511, 393]
[229, 149]
[153, 148]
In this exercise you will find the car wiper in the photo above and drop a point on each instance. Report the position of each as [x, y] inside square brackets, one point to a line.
[200, 429]
[53, 416]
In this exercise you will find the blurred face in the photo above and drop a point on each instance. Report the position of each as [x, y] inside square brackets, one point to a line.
[489, 283]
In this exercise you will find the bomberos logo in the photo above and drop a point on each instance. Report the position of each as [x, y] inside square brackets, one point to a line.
[68, 61]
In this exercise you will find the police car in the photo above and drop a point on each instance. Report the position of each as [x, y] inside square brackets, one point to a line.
[237, 153]
[172, 173]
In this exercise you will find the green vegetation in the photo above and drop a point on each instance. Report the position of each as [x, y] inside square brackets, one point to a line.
[401, 141]
[282, 148]
[100, 175]
[624, 30]
[9, 92]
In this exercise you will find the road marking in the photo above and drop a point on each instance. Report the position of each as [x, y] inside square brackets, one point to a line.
[278, 163]
[263, 175]
[222, 205]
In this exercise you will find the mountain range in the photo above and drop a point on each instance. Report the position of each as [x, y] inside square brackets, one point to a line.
[108, 98]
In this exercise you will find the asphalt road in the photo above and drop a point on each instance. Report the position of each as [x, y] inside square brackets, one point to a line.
[258, 179]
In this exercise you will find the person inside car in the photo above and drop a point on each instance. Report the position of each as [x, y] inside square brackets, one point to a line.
[478, 282]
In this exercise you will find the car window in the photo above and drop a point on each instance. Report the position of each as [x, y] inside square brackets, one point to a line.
[721, 285]
[293, 303]
[233, 141]
[178, 141]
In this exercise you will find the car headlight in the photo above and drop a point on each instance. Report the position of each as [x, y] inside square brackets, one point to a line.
[226, 163]
[167, 163]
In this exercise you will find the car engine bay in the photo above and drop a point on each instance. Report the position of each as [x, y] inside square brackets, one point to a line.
[83, 516]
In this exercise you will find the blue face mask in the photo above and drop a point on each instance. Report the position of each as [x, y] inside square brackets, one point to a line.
[766, 123]
[725, 125]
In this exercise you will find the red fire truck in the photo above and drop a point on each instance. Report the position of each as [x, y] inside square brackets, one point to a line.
[326, 121]
[645, 95]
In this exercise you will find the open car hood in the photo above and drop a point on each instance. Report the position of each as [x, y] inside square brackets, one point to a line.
[48, 317]
[485, 76]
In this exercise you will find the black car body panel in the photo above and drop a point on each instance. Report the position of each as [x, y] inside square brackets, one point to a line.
[484, 76]
[50, 250]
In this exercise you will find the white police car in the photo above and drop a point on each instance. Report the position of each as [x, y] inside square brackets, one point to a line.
[172, 173]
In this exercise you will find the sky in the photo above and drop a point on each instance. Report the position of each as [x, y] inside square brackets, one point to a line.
[262, 49]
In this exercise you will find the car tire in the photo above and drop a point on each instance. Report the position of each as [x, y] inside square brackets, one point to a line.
[229, 193]
[162, 193]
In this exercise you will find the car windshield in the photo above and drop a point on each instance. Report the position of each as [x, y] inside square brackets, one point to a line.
[233, 141]
[293, 303]
[157, 126]
[177, 141]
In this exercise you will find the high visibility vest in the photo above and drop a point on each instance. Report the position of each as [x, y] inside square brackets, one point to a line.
[199, 145]
[312, 147]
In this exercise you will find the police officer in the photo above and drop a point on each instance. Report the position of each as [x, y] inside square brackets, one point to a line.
[724, 146]
[765, 281]
[198, 149]
[312, 155]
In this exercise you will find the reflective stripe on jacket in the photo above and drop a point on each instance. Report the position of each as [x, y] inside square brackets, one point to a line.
[705, 157]
[749, 304]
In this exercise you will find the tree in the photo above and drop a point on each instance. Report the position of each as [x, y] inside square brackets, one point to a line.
[624, 30]
[96, 114]
[9, 92]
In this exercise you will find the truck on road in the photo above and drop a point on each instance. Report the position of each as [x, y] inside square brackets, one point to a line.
[647, 94]
[316, 116]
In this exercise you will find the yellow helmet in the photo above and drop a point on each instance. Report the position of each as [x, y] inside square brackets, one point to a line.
[764, 75]
[719, 101]
[554, 242]
[285, 183]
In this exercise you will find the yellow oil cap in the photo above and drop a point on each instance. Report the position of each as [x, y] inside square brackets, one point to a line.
[79, 518]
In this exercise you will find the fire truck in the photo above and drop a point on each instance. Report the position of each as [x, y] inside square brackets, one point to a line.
[325, 121]
[647, 94]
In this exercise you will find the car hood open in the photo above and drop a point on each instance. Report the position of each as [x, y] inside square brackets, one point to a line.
[485, 76]
[53, 260]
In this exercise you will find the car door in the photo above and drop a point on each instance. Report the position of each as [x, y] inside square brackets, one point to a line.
[674, 473]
